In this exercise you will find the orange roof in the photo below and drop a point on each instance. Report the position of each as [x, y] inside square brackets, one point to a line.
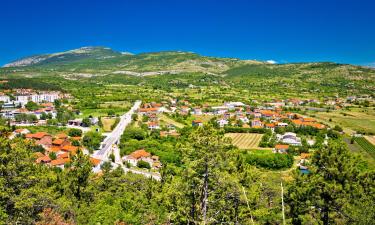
[48, 104]
[58, 162]
[58, 141]
[44, 159]
[270, 125]
[281, 146]
[69, 148]
[139, 154]
[148, 109]
[38, 135]
[95, 161]
[318, 125]
[309, 119]
[305, 155]
[54, 149]
[63, 155]
[197, 121]
[153, 123]
[297, 122]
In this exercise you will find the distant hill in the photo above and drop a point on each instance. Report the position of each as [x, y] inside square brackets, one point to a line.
[184, 68]
[65, 57]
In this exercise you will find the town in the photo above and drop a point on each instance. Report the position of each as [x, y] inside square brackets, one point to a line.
[272, 127]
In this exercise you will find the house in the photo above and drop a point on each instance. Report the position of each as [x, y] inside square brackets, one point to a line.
[222, 122]
[153, 125]
[280, 148]
[171, 133]
[41, 138]
[256, 123]
[43, 159]
[19, 132]
[139, 155]
[198, 123]
[60, 162]
[244, 119]
[289, 138]
[270, 126]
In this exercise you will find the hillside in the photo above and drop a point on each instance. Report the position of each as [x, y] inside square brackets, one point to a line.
[100, 64]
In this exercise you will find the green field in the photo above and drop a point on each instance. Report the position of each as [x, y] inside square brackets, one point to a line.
[366, 145]
[107, 123]
[351, 121]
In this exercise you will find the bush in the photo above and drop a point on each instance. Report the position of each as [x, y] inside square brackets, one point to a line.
[74, 132]
[270, 160]
[143, 164]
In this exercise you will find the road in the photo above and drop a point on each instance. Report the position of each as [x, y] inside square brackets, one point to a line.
[114, 137]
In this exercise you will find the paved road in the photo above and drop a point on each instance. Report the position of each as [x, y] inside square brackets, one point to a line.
[115, 135]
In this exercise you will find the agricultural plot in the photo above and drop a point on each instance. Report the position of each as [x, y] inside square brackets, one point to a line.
[371, 139]
[350, 120]
[366, 145]
[245, 140]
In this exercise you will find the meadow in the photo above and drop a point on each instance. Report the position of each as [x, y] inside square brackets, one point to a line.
[351, 121]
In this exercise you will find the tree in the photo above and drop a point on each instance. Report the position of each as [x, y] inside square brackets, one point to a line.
[74, 132]
[333, 186]
[143, 164]
[92, 140]
[86, 122]
[78, 176]
[31, 106]
[24, 185]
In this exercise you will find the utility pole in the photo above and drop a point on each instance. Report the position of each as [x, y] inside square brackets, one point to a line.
[282, 202]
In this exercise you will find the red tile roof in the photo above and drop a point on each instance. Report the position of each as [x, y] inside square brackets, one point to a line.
[69, 148]
[139, 154]
[58, 162]
[281, 146]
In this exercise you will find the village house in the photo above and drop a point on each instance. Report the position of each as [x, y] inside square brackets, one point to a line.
[142, 155]
[153, 125]
[198, 123]
[222, 122]
[280, 148]
[256, 123]
[41, 138]
[289, 138]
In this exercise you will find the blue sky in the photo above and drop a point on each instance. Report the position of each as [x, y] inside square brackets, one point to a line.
[281, 30]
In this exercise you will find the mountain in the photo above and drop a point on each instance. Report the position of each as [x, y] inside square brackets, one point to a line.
[66, 57]
[100, 64]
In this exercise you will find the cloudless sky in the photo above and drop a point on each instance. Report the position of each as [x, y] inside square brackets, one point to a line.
[281, 30]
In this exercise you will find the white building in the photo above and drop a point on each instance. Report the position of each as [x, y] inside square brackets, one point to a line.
[289, 138]
[222, 122]
[4, 98]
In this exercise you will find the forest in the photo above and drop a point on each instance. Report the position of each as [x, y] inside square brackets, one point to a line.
[211, 184]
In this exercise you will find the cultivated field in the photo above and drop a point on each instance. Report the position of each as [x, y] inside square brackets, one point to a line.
[351, 121]
[371, 139]
[245, 140]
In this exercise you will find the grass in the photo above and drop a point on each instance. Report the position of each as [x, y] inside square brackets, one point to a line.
[107, 123]
[53, 130]
[245, 140]
[350, 120]
[168, 120]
